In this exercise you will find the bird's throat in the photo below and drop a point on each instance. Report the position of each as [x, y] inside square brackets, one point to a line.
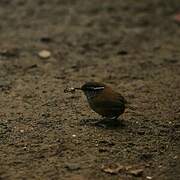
[91, 94]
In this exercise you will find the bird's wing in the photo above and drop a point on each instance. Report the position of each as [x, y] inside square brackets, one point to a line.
[122, 99]
[110, 104]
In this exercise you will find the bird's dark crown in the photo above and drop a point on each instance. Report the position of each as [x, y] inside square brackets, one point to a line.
[93, 86]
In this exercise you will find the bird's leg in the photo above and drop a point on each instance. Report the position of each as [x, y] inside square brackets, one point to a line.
[107, 119]
[101, 122]
[111, 122]
[114, 118]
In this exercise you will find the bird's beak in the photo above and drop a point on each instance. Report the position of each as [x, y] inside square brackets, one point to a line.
[72, 90]
[77, 88]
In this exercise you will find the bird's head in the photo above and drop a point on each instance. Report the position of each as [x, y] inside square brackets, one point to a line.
[91, 89]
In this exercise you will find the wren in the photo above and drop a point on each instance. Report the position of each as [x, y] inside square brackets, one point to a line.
[103, 100]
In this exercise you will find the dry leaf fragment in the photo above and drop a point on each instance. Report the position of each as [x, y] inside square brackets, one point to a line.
[112, 168]
[136, 172]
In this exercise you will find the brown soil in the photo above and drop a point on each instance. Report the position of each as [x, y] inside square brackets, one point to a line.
[132, 45]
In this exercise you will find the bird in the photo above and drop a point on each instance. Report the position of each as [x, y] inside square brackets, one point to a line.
[104, 100]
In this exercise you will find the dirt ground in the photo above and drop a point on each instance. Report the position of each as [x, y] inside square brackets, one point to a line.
[134, 46]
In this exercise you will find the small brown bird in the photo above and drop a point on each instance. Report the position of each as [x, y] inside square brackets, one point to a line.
[103, 100]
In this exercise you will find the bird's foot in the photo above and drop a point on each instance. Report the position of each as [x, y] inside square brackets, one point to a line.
[108, 123]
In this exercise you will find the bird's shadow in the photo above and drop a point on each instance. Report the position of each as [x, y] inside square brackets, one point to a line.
[104, 123]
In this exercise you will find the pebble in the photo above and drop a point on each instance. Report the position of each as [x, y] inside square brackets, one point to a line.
[21, 130]
[44, 54]
[72, 166]
[148, 177]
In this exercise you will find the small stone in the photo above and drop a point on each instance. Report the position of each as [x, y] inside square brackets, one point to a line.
[25, 148]
[148, 177]
[21, 130]
[72, 166]
[73, 135]
[44, 54]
